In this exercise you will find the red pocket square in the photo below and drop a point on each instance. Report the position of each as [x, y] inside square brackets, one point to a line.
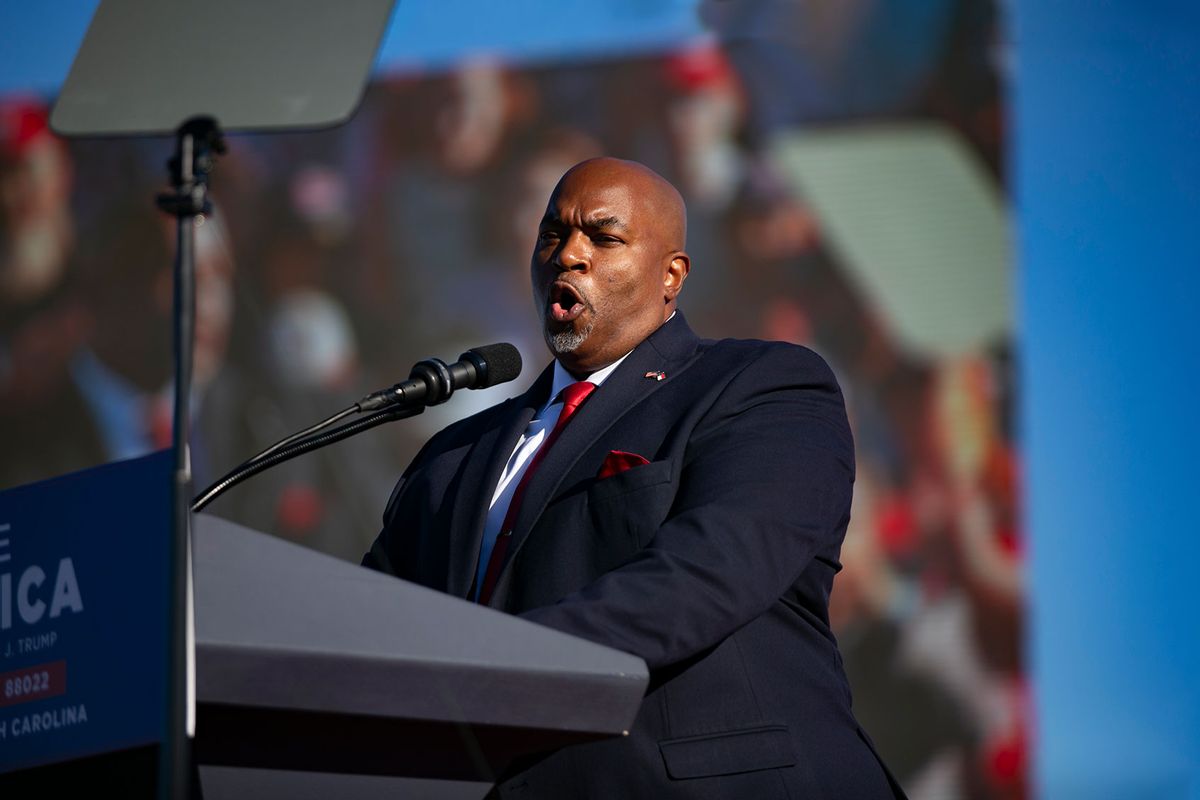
[618, 461]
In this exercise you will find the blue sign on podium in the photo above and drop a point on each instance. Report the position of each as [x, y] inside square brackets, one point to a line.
[83, 612]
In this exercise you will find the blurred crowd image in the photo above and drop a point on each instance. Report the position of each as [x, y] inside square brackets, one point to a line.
[335, 260]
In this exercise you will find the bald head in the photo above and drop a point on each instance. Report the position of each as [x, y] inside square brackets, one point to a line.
[609, 261]
[660, 199]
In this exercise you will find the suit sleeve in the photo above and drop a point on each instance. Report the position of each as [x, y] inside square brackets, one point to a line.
[764, 488]
[377, 557]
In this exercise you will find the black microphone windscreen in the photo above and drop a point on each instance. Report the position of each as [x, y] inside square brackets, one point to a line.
[503, 363]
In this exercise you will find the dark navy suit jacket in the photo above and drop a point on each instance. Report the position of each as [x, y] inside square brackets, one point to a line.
[713, 562]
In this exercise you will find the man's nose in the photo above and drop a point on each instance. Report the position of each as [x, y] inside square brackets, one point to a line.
[572, 254]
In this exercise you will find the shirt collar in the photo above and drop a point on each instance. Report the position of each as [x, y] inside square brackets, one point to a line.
[563, 379]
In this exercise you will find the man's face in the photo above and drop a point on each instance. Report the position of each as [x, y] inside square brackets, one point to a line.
[601, 269]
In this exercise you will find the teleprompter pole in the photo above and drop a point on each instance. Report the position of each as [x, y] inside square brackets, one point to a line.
[198, 141]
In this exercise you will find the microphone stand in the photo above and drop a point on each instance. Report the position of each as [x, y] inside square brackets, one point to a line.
[198, 141]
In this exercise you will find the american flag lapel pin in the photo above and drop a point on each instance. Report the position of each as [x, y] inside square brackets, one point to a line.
[658, 376]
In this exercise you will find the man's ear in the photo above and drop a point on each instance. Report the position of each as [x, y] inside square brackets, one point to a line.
[676, 274]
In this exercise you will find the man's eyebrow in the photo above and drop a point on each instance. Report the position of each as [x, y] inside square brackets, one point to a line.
[605, 222]
[552, 218]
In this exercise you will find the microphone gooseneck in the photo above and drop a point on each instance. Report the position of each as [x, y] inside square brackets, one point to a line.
[431, 381]
[286, 452]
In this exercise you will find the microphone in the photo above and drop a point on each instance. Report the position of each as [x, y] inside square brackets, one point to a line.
[432, 381]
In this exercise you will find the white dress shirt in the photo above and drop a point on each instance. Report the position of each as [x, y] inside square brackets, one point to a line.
[527, 446]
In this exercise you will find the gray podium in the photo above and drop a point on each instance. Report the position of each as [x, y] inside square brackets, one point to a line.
[318, 678]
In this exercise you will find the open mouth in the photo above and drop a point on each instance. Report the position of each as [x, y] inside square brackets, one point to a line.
[565, 302]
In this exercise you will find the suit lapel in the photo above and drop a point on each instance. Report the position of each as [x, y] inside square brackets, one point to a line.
[667, 351]
[480, 475]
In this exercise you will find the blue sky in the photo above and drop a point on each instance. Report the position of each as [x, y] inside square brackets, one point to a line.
[38, 39]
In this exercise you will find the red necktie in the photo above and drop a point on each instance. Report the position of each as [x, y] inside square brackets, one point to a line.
[573, 396]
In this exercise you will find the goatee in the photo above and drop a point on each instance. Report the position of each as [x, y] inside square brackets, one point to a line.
[568, 339]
